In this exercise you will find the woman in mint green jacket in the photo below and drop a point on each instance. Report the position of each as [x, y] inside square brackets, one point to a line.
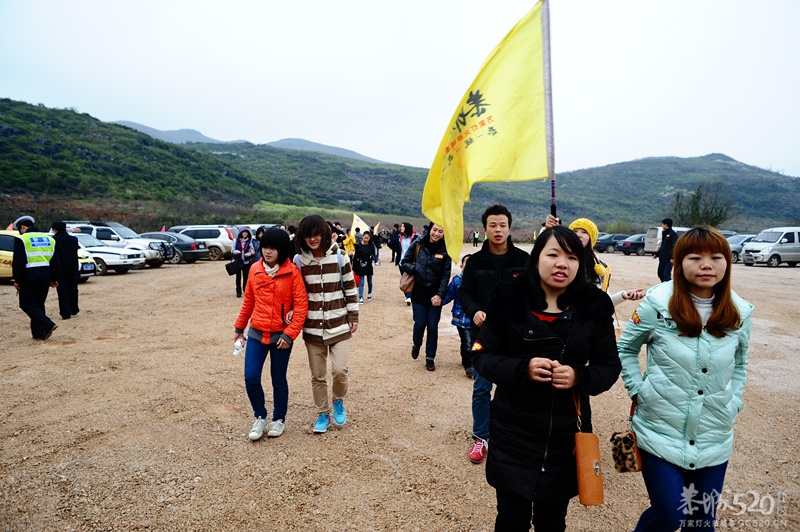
[697, 334]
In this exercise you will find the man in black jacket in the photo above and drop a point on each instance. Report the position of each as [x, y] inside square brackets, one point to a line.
[497, 260]
[664, 253]
[35, 270]
[67, 251]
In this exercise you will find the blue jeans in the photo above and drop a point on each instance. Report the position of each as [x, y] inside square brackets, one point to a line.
[364, 279]
[466, 345]
[669, 508]
[481, 398]
[427, 317]
[254, 357]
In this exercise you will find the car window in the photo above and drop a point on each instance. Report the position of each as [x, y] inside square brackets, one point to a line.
[156, 236]
[789, 238]
[192, 233]
[767, 236]
[104, 234]
[6, 243]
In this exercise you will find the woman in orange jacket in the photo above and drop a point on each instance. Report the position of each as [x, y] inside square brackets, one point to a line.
[275, 289]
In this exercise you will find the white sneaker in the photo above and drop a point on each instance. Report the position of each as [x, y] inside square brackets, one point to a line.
[361, 301]
[408, 300]
[258, 428]
[276, 428]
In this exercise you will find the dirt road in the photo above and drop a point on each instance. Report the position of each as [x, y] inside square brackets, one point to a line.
[134, 416]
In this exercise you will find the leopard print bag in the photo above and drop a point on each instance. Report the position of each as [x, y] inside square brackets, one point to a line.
[624, 450]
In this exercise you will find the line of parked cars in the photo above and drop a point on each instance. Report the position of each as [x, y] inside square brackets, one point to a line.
[772, 246]
[113, 246]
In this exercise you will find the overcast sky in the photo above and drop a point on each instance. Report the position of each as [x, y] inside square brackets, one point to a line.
[631, 79]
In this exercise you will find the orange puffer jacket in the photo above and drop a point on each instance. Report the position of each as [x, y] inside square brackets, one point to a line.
[267, 300]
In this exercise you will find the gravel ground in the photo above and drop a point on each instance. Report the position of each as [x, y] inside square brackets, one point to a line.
[133, 416]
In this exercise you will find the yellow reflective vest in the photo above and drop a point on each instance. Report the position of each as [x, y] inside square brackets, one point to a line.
[39, 249]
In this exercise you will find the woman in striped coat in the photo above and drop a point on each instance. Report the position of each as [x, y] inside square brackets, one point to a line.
[332, 315]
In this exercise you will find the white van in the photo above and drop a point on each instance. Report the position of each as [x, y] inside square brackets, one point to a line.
[652, 242]
[773, 246]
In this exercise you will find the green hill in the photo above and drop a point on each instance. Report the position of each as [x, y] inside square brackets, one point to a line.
[63, 163]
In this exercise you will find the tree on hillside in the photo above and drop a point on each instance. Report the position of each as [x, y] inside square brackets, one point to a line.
[708, 204]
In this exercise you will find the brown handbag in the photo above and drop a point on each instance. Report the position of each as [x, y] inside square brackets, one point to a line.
[407, 280]
[587, 460]
[624, 449]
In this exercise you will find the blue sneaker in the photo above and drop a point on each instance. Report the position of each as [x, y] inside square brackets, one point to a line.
[322, 424]
[339, 415]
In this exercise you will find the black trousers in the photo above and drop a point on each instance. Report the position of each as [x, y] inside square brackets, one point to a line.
[68, 294]
[32, 295]
[241, 278]
[516, 513]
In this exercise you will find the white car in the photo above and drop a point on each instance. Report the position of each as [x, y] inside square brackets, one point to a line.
[117, 235]
[121, 260]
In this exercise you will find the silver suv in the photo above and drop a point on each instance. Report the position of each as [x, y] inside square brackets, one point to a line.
[218, 238]
[773, 246]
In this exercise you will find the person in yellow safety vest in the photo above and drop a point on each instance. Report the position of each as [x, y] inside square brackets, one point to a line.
[349, 244]
[35, 268]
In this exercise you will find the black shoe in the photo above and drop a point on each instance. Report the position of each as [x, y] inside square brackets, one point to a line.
[65, 317]
[429, 365]
[238, 294]
[470, 372]
[49, 334]
[415, 352]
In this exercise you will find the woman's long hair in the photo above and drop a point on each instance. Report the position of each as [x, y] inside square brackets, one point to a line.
[569, 242]
[408, 229]
[310, 226]
[725, 315]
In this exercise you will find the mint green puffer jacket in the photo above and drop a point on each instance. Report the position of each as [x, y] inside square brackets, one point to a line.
[691, 392]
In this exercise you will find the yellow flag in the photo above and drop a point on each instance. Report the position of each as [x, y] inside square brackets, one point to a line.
[358, 222]
[499, 130]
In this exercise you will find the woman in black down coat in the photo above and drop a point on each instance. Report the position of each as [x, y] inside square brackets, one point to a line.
[427, 260]
[547, 332]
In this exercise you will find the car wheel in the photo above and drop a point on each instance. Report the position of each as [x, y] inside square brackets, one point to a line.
[155, 263]
[214, 253]
[640, 251]
[735, 257]
[610, 248]
[774, 261]
[121, 270]
[792, 264]
[177, 257]
[102, 269]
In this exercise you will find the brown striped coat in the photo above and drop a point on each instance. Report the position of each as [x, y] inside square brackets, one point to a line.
[332, 297]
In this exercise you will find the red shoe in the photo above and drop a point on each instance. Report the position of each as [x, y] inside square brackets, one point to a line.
[478, 451]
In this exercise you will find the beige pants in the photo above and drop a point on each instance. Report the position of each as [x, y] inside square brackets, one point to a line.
[318, 363]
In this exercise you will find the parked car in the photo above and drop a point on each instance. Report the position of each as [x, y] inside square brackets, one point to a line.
[737, 242]
[185, 247]
[606, 243]
[120, 260]
[773, 246]
[6, 254]
[217, 238]
[117, 235]
[632, 244]
[86, 265]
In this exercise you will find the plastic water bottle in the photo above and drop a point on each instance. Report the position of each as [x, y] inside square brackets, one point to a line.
[238, 346]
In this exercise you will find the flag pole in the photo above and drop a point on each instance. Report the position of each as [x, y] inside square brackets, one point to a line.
[548, 104]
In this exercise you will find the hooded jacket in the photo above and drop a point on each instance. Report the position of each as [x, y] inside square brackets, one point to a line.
[533, 425]
[691, 392]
